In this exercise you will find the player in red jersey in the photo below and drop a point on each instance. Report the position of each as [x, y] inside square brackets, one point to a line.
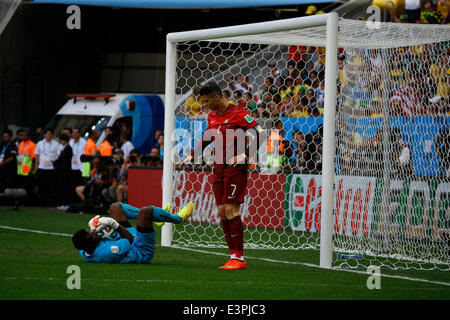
[226, 125]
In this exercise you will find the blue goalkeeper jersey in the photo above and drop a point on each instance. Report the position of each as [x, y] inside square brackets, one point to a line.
[117, 250]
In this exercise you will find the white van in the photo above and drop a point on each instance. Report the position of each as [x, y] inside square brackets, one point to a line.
[142, 114]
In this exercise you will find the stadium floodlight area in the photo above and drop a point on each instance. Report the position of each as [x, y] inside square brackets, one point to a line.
[363, 172]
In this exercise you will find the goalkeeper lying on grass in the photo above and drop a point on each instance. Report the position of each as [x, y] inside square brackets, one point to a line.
[113, 240]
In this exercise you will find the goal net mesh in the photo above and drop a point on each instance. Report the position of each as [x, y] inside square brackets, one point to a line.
[392, 186]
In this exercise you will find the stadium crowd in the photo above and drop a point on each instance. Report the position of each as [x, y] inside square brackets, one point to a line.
[418, 84]
[71, 172]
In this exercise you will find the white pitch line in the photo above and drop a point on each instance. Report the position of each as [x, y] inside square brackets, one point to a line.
[255, 258]
[36, 231]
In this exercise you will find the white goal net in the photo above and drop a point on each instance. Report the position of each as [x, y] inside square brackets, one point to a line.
[392, 145]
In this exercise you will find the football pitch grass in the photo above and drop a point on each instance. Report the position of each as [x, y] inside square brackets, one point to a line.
[36, 251]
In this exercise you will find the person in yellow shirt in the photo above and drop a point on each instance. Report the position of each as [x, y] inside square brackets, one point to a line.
[443, 7]
[193, 104]
[301, 110]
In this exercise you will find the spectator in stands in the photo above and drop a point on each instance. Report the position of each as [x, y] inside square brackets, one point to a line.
[63, 169]
[267, 87]
[161, 146]
[401, 155]
[119, 155]
[153, 159]
[250, 104]
[226, 94]
[280, 84]
[342, 71]
[290, 71]
[240, 83]
[429, 14]
[310, 95]
[301, 109]
[8, 162]
[47, 151]
[320, 95]
[263, 104]
[127, 145]
[443, 106]
[193, 104]
[443, 8]
[246, 84]
[301, 154]
[443, 82]
[137, 154]
[287, 106]
[298, 55]
[122, 188]
[91, 191]
[273, 110]
[109, 192]
[288, 87]
[299, 93]
[314, 79]
[318, 138]
[238, 98]
[412, 10]
[272, 70]
[313, 111]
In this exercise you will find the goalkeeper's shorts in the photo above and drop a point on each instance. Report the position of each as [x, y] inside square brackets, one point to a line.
[144, 243]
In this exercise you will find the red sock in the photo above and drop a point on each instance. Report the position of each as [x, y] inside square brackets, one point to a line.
[237, 236]
[227, 233]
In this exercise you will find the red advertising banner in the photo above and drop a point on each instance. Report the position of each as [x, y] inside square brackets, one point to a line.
[144, 187]
[263, 205]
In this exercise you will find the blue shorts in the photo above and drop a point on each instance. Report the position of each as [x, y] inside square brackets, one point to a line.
[144, 243]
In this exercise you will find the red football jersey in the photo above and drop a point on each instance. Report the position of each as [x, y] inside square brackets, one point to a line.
[222, 130]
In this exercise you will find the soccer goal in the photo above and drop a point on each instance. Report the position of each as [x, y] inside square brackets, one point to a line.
[361, 172]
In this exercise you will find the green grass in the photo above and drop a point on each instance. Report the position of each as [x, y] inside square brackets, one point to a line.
[33, 266]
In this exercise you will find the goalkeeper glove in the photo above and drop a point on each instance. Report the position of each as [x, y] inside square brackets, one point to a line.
[93, 223]
[107, 222]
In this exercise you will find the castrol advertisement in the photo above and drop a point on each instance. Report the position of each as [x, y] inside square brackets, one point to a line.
[354, 201]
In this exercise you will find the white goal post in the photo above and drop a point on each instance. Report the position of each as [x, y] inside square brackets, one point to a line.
[366, 119]
[329, 20]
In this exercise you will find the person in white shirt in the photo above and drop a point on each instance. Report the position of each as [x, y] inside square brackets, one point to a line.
[127, 146]
[77, 144]
[412, 10]
[47, 151]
